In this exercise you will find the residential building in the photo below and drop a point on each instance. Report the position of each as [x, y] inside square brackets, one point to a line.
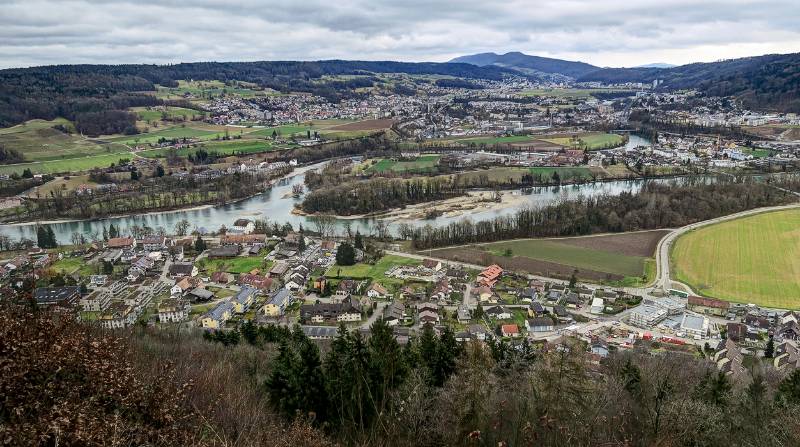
[540, 324]
[257, 281]
[218, 316]
[121, 242]
[172, 310]
[339, 312]
[694, 325]
[224, 251]
[395, 313]
[96, 301]
[277, 303]
[182, 269]
[708, 306]
[154, 243]
[510, 330]
[376, 290]
[244, 299]
[66, 296]
[498, 312]
[490, 275]
[646, 316]
[117, 316]
[200, 295]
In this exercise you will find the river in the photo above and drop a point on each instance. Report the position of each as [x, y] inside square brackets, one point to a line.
[276, 205]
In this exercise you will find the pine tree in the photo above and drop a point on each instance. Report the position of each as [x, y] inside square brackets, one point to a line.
[112, 231]
[199, 244]
[769, 350]
[280, 383]
[358, 241]
[51, 238]
[345, 255]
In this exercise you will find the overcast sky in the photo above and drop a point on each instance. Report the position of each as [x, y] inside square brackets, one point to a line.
[601, 32]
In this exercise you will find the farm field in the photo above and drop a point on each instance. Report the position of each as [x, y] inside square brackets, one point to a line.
[613, 257]
[423, 163]
[755, 259]
[37, 140]
[66, 165]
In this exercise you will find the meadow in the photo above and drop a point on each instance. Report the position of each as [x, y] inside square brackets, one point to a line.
[578, 257]
[37, 140]
[421, 164]
[594, 140]
[228, 147]
[618, 259]
[239, 264]
[167, 133]
[66, 165]
[375, 272]
[155, 114]
[207, 89]
[755, 259]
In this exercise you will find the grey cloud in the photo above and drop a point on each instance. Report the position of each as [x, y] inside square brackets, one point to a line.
[612, 32]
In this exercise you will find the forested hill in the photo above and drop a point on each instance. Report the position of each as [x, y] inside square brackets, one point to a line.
[71, 91]
[529, 64]
[762, 82]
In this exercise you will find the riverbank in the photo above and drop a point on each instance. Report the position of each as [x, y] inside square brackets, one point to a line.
[471, 202]
[161, 211]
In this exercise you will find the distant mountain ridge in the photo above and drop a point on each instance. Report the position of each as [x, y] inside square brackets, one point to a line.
[770, 82]
[528, 64]
[656, 65]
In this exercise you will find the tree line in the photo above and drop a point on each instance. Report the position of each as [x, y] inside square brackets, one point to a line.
[656, 205]
[378, 194]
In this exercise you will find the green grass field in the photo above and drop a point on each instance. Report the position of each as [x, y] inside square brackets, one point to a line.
[239, 264]
[376, 272]
[220, 147]
[755, 259]
[591, 141]
[168, 133]
[38, 141]
[206, 90]
[73, 265]
[578, 257]
[421, 164]
[155, 114]
[68, 165]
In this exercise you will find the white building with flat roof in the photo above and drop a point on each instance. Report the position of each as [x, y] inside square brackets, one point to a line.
[646, 315]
